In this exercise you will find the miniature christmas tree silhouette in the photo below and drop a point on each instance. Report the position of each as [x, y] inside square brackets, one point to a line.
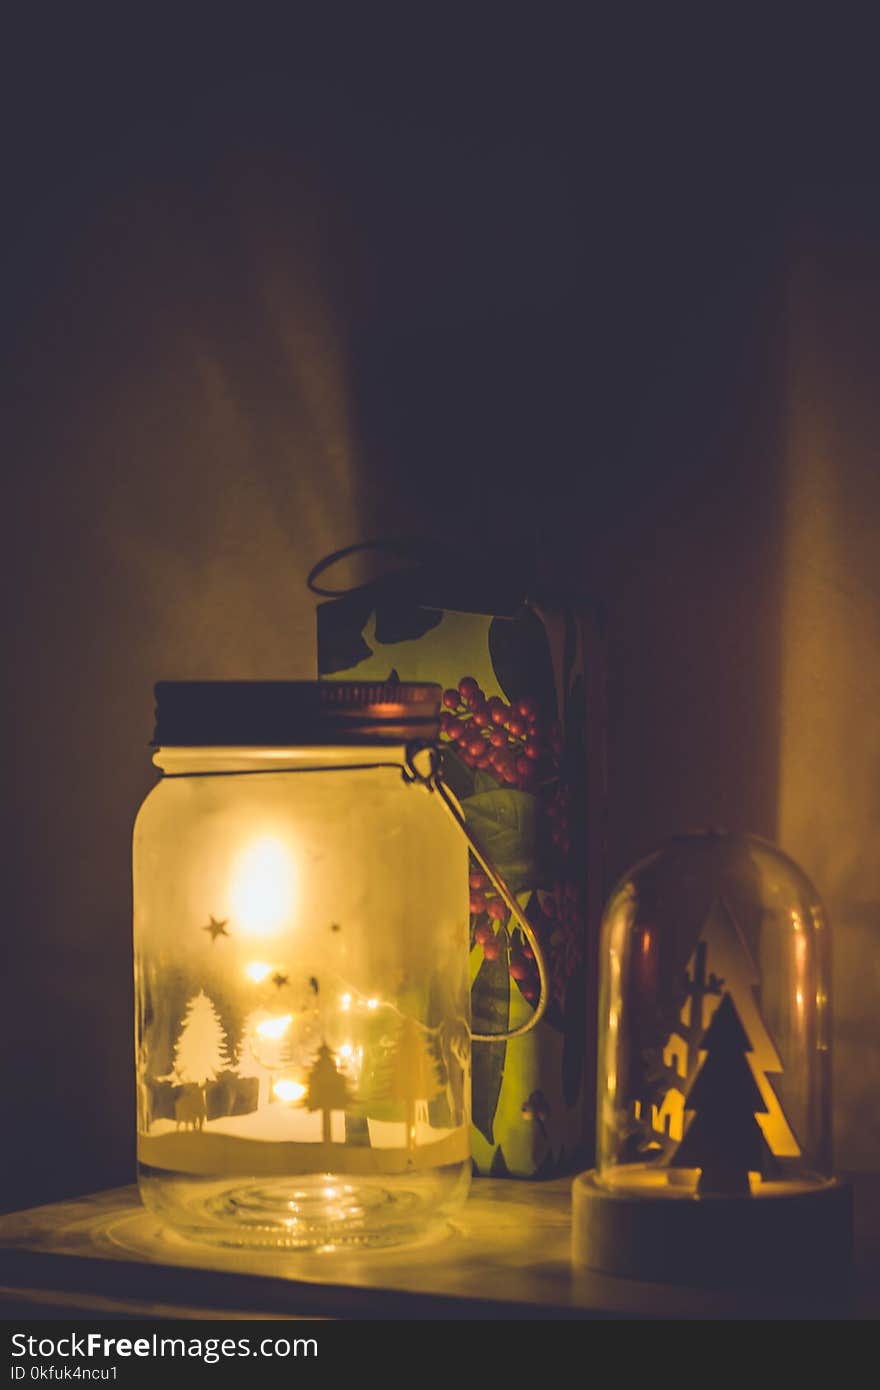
[724, 1140]
[662, 1072]
[328, 1089]
[374, 1085]
[721, 964]
[697, 987]
[200, 1053]
[414, 1075]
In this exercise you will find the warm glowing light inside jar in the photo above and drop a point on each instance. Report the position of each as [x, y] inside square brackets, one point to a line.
[275, 1027]
[257, 971]
[263, 887]
[289, 1090]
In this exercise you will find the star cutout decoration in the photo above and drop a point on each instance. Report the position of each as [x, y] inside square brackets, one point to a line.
[216, 928]
[278, 979]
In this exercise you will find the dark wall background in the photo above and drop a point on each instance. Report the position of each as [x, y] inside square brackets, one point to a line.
[544, 293]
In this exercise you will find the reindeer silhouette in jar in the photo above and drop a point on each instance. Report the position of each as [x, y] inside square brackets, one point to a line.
[190, 1109]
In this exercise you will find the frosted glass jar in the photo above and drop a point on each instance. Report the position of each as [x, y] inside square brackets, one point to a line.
[301, 968]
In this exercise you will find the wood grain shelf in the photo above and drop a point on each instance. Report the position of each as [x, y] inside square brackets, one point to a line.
[507, 1255]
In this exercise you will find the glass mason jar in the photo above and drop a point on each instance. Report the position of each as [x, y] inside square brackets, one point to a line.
[301, 967]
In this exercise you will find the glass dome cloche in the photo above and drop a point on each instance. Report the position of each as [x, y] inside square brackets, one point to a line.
[713, 1155]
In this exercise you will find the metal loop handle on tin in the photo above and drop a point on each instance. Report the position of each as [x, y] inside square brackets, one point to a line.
[433, 781]
[407, 548]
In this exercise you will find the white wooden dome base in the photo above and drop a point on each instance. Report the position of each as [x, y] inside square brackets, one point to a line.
[799, 1238]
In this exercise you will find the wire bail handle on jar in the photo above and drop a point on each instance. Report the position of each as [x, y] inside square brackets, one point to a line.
[432, 781]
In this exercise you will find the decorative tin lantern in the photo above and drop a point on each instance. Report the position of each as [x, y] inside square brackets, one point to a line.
[522, 735]
[714, 1122]
[301, 956]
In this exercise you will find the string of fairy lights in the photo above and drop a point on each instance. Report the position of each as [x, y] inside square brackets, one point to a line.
[275, 1027]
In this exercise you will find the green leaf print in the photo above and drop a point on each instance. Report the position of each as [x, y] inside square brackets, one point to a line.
[490, 1013]
[504, 824]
